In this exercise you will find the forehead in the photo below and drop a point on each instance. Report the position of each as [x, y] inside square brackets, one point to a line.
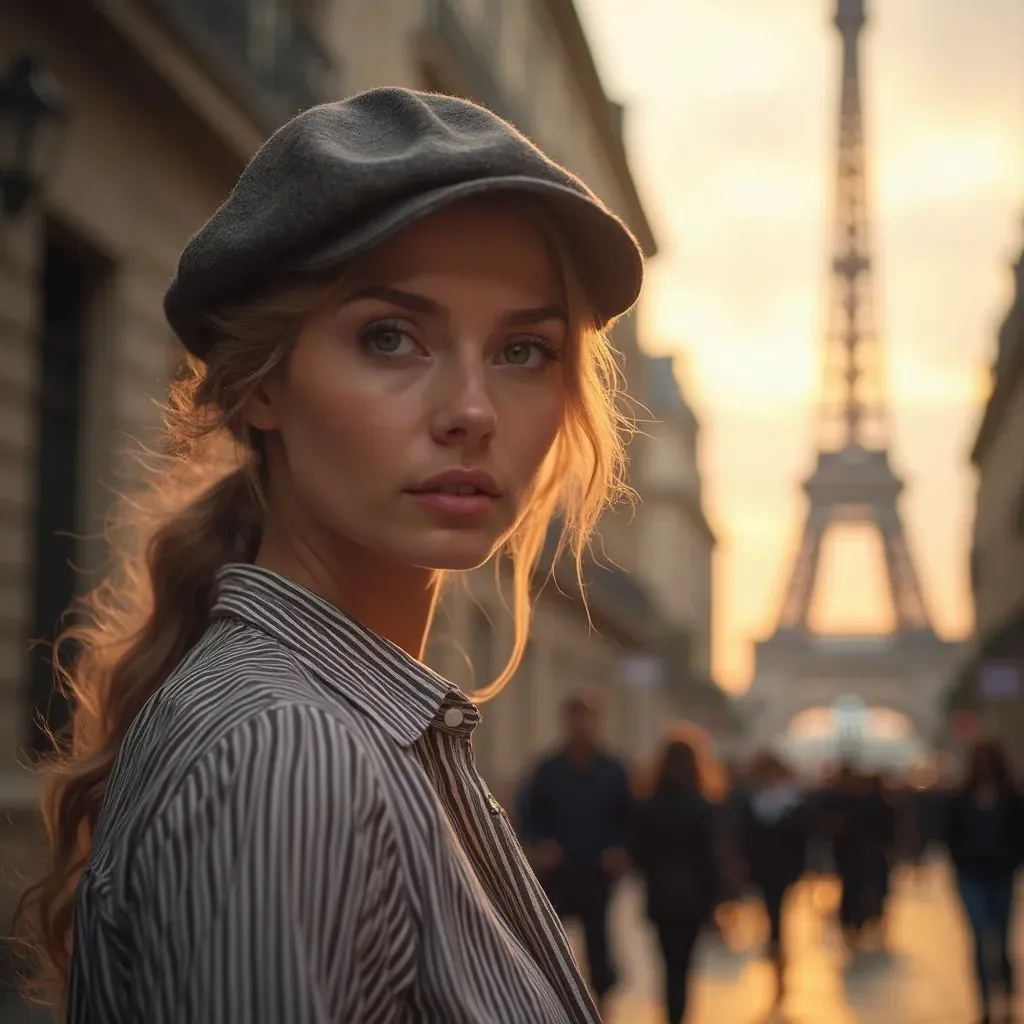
[491, 242]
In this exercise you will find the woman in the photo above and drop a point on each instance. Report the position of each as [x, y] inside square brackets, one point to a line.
[985, 836]
[674, 848]
[269, 810]
[776, 832]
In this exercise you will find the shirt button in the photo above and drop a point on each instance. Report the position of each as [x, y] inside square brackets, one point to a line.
[453, 718]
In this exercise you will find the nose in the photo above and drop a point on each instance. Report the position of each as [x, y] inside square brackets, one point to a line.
[465, 412]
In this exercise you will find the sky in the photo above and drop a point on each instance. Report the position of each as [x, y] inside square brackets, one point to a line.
[731, 124]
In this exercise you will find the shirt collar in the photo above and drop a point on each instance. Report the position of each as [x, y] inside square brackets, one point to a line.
[384, 682]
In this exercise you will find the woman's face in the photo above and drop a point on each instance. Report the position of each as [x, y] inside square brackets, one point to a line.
[419, 403]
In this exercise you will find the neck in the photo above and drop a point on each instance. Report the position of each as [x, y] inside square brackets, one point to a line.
[395, 600]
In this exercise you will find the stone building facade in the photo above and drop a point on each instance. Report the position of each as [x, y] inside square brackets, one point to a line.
[168, 98]
[676, 557]
[991, 684]
[676, 544]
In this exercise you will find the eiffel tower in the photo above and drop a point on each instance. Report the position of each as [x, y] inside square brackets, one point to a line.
[852, 482]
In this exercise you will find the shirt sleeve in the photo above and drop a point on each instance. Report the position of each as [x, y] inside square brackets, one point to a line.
[270, 889]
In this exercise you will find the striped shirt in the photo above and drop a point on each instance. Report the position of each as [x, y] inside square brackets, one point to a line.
[294, 832]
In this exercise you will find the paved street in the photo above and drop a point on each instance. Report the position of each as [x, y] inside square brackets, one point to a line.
[922, 980]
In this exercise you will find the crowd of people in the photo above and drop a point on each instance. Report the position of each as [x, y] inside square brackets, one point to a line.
[705, 836]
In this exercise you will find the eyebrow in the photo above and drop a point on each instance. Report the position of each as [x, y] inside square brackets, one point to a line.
[524, 317]
[416, 303]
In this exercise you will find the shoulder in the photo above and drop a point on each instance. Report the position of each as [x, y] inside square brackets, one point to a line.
[234, 667]
[705, 807]
[718, 814]
[282, 821]
[547, 765]
[235, 677]
[613, 765]
[292, 767]
[288, 737]
[238, 709]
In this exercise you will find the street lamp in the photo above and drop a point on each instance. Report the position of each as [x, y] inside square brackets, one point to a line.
[33, 114]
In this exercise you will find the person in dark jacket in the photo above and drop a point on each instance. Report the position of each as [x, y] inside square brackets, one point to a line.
[845, 815]
[674, 848]
[776, 833]
[575, 813]
[984, 833]
[879, 839]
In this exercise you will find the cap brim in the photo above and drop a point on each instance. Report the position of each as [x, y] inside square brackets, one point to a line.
[607, 256]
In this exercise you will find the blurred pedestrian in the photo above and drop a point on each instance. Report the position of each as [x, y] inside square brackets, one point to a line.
[674, 847]
[846, 814]
[777, 826]
[879, 839]
[575, 817]
[984, 832]
[268, 811]
[729, 798]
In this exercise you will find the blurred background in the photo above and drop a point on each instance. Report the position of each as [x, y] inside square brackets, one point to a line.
[769, 588]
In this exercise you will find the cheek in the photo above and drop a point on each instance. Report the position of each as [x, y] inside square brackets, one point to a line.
[531, 429]
[337, 439]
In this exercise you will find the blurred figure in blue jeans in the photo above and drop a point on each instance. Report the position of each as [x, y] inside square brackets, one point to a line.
[984, 832]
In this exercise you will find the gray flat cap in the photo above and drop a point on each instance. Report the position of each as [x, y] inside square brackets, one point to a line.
[342, 177]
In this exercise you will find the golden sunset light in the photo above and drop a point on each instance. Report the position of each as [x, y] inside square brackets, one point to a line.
[734, 143]
[580, 574]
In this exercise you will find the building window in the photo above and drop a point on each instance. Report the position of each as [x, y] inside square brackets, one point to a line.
[70, 282]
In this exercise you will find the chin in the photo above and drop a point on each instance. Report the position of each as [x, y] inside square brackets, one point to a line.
[457, 551]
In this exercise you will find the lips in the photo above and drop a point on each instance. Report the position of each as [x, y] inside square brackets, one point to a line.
[455, 489]
[460, 482]
[458, 494]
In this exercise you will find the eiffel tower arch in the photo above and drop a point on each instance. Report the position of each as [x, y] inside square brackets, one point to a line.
[852, 482]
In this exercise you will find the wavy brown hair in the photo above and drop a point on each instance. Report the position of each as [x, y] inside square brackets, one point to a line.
[200, 507]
